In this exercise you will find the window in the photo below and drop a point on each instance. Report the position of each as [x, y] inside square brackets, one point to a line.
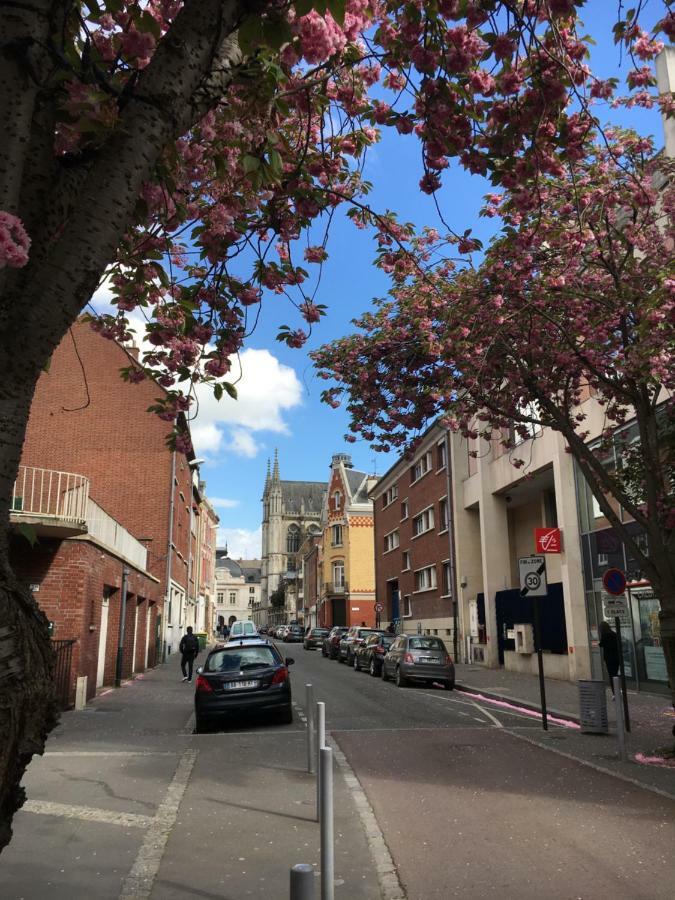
[391, 541]
[336, 536]
[447, 581]
[423, 522]
[421, 467]
[251, 590]
[233, 598]
[390, 495]
[220, 597]
[441, 455]
[338, 575]
[407, 606]
[443, 514]
[337, 499]
[292, 539]
[404, 510]
[425, 579]
[550, 509]
[405, 560]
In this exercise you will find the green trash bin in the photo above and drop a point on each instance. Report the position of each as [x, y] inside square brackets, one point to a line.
[201, 637]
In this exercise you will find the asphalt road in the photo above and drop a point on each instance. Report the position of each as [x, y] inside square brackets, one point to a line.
[470, 807]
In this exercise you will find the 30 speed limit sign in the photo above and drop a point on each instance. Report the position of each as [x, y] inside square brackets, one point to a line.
[532, 571]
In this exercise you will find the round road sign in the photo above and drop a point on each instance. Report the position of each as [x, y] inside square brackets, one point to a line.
[532, 581]
[379, 607]
[614, 581]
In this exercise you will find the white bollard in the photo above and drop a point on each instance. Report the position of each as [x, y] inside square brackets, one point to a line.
[302, 882]
[81, 692]
[327, 838]
[620, 725]
[309, 711]
[320, 744]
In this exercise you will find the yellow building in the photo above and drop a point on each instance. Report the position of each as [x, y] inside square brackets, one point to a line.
[347, 591]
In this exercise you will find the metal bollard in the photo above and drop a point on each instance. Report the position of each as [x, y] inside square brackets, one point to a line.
[620, 725]
[309, 710]
[302, 882]
[320, 744]
[326, 826]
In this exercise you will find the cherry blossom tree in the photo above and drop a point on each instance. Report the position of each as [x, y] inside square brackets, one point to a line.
[573, 306]
[181, 149]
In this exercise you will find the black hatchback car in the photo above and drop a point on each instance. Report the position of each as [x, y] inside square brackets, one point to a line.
[243, 677]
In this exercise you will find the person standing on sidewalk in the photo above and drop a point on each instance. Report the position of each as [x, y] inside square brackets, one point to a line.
[189, 649]
[610, 651]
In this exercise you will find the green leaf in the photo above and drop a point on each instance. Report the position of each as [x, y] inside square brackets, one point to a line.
[231, 389]
[217, 390]
[148, 23]
[250, 34]
[251, 164]
[337, 10]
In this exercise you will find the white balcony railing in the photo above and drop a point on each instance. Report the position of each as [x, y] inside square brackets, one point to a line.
[50, 494]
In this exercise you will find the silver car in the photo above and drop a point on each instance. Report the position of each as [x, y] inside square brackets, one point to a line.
[418, 657]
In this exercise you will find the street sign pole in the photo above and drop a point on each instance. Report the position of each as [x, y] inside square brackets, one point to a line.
[540, 663]
[622, 669]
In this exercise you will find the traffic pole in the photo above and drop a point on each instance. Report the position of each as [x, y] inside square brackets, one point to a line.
[309, 708]
[326, 826]
[540, 662]
[320, 744]
[620, 732]
[622, 670]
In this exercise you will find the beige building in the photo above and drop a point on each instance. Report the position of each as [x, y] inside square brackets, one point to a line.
[237, 589]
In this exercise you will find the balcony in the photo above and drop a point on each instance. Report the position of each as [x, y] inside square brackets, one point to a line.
[53, 503]
[332, 588]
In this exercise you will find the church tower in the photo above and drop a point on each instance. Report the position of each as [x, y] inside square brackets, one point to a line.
[265, 538]
[275, 531]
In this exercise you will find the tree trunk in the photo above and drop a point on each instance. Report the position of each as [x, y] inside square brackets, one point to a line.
[667, 623]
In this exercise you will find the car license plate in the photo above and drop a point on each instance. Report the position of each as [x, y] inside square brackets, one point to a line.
[428, 659]
[238, 685]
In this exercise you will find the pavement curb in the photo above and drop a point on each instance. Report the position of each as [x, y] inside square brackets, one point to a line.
[516, 701]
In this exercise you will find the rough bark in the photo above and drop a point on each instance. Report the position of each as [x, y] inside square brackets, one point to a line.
[77, 216]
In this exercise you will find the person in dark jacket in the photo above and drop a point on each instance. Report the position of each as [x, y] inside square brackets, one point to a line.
[610, 651]
[189, 649]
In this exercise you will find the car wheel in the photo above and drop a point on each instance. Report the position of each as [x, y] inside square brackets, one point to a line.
[401, 680]
[339, 658]
[383, 673]
[449, 685]
[372, 668]
[323, 651]
[357, 666]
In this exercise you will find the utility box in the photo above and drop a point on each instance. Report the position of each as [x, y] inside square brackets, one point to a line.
[524, 638]
[202, 637]
[593, 707]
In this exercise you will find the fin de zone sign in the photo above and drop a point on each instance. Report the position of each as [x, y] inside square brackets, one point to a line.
[548, 540]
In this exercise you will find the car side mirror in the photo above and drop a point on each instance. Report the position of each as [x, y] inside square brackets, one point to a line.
[200, 669]
[289, 661]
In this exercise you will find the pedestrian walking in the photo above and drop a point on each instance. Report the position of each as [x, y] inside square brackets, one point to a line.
[610, 651]
[189, 649]
[391, 628]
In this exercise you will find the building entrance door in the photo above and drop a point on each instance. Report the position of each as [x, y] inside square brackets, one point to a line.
[102, 642]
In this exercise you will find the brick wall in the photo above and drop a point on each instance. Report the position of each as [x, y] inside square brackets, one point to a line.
[72, 576]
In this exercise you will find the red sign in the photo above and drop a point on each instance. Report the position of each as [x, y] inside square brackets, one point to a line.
[547, 540]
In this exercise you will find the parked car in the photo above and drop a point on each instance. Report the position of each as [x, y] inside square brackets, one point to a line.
[419, 658]
[245, 630]
[314, 638]
[262, 629]
[295, 634]
[354, 637]
[370, 654]
[331, 644]
[243, 676]
[282, 630]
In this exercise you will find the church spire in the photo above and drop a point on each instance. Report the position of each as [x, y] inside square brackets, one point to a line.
[275, 472]
[267, 476]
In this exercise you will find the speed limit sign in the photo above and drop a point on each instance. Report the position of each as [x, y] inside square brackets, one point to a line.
[532, 576]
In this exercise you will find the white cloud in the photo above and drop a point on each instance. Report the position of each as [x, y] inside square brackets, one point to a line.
[242, 543]
[243, 443]
[223, 502]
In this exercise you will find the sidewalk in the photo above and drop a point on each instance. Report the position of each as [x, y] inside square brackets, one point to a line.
[128, 804]
[651, 718]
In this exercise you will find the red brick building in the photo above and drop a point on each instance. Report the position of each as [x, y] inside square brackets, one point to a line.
[86, 420]
[413, 542]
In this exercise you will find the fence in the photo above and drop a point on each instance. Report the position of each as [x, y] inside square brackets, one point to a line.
[50, 494]
[63, 657]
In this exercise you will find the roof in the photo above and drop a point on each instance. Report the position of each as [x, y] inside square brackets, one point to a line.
[358, 485]
[300, 497]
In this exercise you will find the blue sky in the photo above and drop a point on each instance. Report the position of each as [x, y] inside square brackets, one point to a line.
[279, 405]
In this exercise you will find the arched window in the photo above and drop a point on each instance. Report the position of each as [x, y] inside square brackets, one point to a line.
[337, 499]
[292, 539]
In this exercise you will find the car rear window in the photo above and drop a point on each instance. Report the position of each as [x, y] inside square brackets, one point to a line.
[426, 643]
[241, 658]
[319, 631]
[388, 640]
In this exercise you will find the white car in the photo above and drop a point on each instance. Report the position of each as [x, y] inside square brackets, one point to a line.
[239, 630]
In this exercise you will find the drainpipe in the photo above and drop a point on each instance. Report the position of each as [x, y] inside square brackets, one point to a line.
[120, 640]
[451, 542]
[169, 555]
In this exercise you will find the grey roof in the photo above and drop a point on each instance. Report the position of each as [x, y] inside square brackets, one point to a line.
[357, 480]
[248, 569]
[231, 565]
[295, 493]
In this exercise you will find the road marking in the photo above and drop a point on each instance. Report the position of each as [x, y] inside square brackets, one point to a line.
[189, 726]
[87, 813]
[121, 753]
[387, 876]
[485, 712]
[138, 883]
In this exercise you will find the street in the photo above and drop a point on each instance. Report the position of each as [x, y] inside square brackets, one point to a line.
[128, 803]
